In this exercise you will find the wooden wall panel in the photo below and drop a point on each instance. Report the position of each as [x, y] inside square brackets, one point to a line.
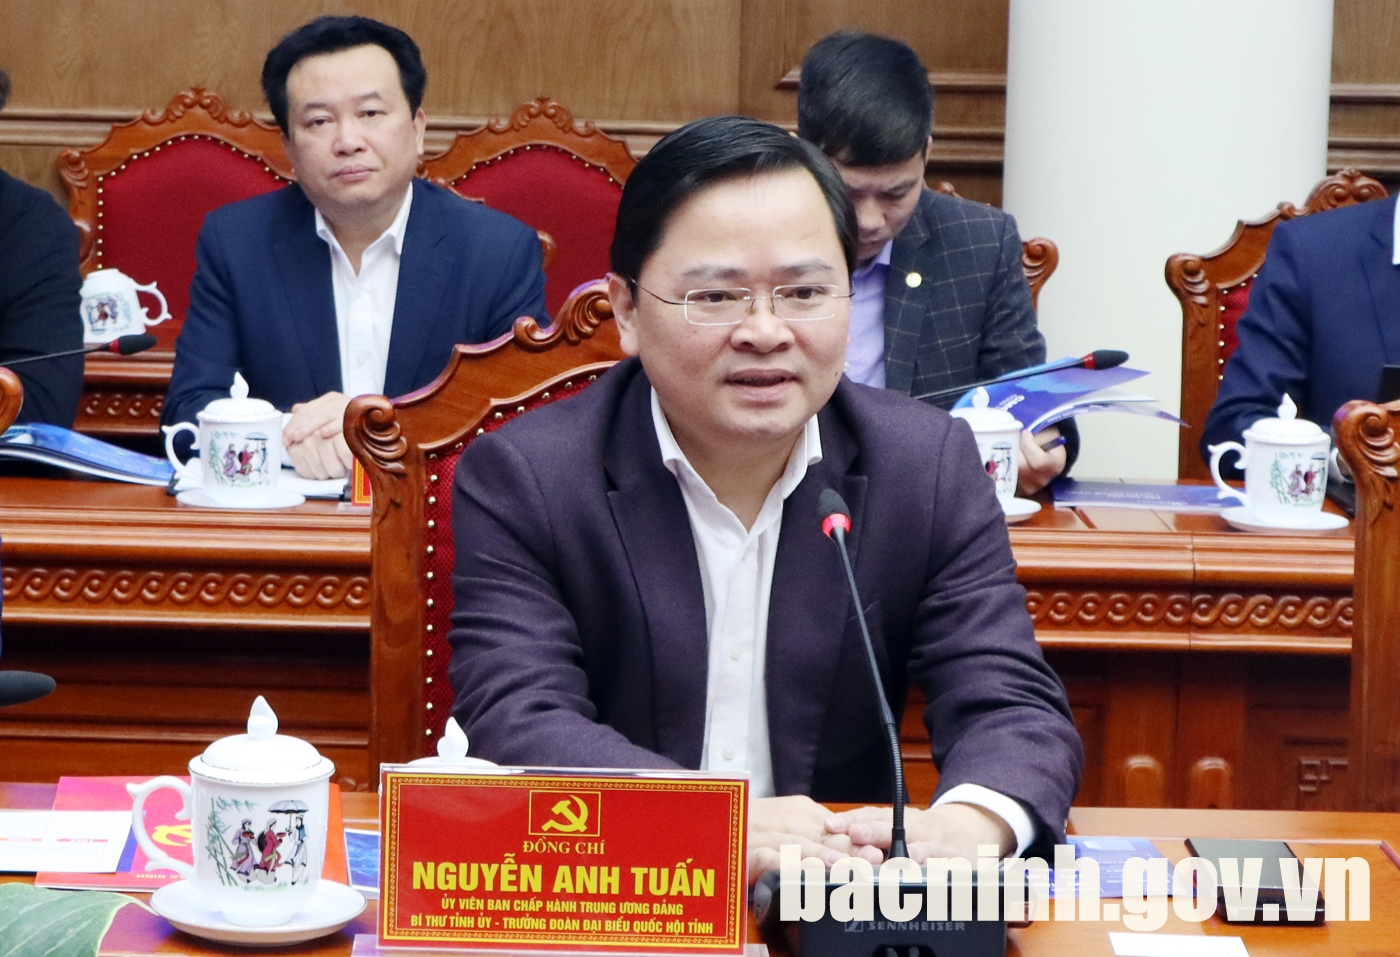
[951, 36]
[637, 67]
[617, 59]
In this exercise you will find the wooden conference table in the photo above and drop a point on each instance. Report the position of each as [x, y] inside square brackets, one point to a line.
[1206, 667]
[1375, 837]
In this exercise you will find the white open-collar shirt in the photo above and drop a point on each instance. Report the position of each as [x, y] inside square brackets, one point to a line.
[364, 302]
[736, 574]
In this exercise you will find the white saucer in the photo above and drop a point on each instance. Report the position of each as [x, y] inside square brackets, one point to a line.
[332, 907]
[1018, 509]
[1311, 523]
[276, 498]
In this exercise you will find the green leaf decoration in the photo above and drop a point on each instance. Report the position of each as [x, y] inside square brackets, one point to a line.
[38, 922]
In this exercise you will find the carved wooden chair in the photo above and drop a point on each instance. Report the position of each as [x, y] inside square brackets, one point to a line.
[139, 199]
[1368, 436]
[1039, 257]
[557, 174]
[409, 448]
[1214, 291]
[11, 398]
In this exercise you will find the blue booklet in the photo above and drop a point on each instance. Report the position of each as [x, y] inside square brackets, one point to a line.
[55, 445]
[1169, 497]
[362, 858]
[1040, 401]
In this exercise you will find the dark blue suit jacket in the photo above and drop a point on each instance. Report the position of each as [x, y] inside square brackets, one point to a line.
[39, 302]
[1323, 318]
[579, 635]
[262, 301]
[971, 317]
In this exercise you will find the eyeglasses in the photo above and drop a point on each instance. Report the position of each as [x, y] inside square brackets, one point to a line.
[729, 307]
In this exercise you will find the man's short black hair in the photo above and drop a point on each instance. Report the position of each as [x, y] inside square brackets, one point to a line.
[4, 88]
[330, 35]
[706, 152]
[864, 100]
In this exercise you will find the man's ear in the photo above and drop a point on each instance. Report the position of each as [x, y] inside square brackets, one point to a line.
[420, 129]
[624, 308]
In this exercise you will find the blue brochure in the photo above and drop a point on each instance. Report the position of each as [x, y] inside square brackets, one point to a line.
[55, 445]
[1039, 401]
[1169, 497]
[362, 856]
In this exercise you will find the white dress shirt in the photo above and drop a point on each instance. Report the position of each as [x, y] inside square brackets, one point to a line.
[364, 302]
[1395, 252]
[736, 574]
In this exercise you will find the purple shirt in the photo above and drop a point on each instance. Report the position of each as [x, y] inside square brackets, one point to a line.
[865, 349]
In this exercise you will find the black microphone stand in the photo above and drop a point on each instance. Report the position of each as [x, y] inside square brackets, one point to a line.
[829, 937]
[898, 847]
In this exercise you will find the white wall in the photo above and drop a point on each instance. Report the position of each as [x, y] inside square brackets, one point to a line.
[1136, 129]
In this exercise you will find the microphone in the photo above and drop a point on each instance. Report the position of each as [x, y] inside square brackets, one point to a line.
[1098, 359]
[122, 346]
[836, 522]
[17, 687]
[823, 934]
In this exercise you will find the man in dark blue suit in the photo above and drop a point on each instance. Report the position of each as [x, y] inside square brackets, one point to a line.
[1323, 318]
[39, 300]
[359, 278]
[641, 577]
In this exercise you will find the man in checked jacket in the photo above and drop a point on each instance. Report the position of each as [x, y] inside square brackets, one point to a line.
[940, 297]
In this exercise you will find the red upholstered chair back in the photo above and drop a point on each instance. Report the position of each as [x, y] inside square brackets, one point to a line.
[1039, 257]
[560, 176]
[409, 448]
[1214, 292]
[139, 199]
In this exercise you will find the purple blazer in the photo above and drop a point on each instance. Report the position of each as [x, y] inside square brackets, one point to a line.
[579, 634]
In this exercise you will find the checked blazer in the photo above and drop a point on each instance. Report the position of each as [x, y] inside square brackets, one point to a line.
[971, 317]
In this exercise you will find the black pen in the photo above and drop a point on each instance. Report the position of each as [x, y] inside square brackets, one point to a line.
[1054, 443]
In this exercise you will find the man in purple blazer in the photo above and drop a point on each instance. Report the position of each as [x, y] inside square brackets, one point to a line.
[642, 580]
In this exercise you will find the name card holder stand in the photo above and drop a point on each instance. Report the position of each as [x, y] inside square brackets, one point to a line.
[496, 861]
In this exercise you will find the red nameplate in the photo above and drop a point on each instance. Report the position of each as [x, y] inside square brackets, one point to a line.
[588, 861]
[359, 485]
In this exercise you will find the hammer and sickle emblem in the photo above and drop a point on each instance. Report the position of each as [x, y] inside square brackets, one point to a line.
[173, 835]
[577, 822]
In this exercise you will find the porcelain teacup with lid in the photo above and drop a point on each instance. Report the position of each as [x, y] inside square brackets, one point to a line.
[239, 441]
[1285, 467]
[258, 805]
[111, 307]
[998, 435]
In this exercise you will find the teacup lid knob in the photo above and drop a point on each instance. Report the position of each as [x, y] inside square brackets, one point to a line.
[262, 721]
[262, 755]
[1287, 427]
[980, 398]
[453, 743]
[238, 407]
